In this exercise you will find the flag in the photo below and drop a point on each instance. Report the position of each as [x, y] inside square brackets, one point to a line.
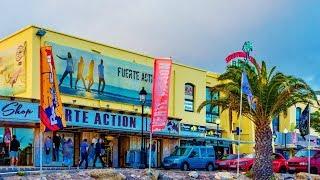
[245, 85]
[304, 122]
[51, 110]
[160, 94]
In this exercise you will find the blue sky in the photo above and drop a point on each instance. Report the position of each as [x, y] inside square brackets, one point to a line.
[199, 33]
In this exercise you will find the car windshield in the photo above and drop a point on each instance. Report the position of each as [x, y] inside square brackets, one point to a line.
[181, 151]
[249, 156]
[304, 153]
[229, 157]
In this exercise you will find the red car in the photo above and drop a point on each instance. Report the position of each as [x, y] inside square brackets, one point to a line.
[299, 163]
[225, 161]
[279, 163]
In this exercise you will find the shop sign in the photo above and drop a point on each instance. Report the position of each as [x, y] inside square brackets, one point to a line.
[171, 128]
[101, 120]
[19, 111]
[101, 77]
[29, 112]
[193, 130]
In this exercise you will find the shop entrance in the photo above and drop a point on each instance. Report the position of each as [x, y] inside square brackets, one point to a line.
[26, 138]
[59, 148]
[156, 152]
[123, 147]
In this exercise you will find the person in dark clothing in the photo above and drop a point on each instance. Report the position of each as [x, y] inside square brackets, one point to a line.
[56, 146]
[84, 152]
[98, 154]
[14, 148]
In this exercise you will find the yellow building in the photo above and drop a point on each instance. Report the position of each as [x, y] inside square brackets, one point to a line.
[112, 112]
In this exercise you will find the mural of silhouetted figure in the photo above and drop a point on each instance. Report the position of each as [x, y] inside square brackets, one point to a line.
[90, 75]
[80, 73]
[101, 76]
[69, 68]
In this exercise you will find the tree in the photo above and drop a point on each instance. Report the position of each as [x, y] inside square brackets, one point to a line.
[274, 92]
[315, 120]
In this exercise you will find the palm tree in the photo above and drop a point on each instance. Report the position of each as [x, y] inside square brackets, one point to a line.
[274, 93]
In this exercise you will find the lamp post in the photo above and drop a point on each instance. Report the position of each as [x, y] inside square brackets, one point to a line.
[218, 123]
[285, 131]
[142, 98]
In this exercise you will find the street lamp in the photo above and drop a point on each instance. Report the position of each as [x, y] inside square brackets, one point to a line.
[142, 98]
[285, 131]
[218, 123]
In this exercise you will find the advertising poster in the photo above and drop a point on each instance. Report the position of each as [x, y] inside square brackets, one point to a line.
[160, 94]
[51, 109]
[12, 70]
[95, 76]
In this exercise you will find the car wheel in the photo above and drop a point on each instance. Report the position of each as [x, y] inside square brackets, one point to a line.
[314, 170]
[185, 166]
[210, 167]
[291, 172]
[283, 169]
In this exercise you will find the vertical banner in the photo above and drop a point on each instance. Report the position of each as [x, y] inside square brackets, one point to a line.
[160, 93]
[51, 110]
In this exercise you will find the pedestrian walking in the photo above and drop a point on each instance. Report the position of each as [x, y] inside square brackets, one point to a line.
[67, 152]
[48, 148]
[98, 154]
[56, 147]
[14, 148]
[84, 147]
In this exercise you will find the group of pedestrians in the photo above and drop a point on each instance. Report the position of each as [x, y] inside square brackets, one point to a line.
[96, 148]
[52, 149]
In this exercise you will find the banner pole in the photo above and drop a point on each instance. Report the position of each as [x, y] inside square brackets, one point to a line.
[239, 125]
[40, 141]
[309, 154]
[150, 147]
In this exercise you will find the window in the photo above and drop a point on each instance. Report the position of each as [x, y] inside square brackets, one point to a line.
[275, 124]
[211, 112]
[195, 152]
[203, 152]
[298, 114]
[210, 152]
[189, 97]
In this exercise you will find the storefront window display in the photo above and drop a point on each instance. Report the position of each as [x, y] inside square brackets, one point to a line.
[25, 154]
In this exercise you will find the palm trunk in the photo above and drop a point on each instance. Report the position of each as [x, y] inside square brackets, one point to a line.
[262, 168]
[230, 120]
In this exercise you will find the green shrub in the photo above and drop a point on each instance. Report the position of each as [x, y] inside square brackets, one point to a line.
[21, 173]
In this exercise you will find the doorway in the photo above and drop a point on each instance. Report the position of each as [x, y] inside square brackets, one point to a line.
[123, 147]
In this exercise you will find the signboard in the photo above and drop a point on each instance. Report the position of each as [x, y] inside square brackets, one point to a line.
[29, 112]
[237, 59]
[95, 76]
[160, 94]
[13, 70]
[19, 111]
[192, 130]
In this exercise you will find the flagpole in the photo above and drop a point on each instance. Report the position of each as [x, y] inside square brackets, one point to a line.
[150, 147]
[40, 141]
[239, 126]
[247, 47]
[309, 154]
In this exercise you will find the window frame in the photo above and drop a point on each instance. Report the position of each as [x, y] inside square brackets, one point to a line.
[211, 114]
[189, 100]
